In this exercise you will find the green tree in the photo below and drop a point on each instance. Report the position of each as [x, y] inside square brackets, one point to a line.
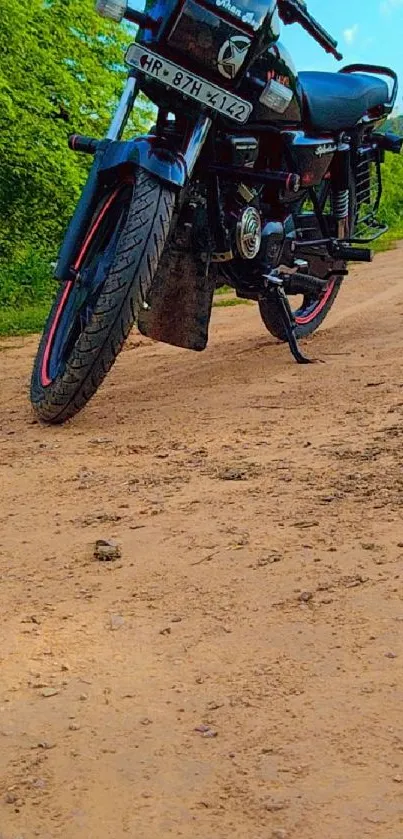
[60, 73]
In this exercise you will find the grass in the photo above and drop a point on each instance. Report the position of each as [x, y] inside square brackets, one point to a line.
[388, 241]
[24, 321]
[231, 301]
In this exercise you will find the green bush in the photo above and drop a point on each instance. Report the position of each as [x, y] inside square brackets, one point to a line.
[61, 73]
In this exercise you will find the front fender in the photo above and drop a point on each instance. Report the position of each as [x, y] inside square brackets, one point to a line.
[113, 157]
[148, 153]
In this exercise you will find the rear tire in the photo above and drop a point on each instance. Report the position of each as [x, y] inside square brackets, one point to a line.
[303, 327]
[309, 318]
[66, 375]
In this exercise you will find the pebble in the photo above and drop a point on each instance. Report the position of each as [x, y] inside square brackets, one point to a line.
[275, 806]
[116, 621]
[107, 551]
[206, 731]
[305, 597]
[390, 655]
[47, 692]
[145, 721]
[279, 834]
[398, 779]
[11, 798]
[74, 726]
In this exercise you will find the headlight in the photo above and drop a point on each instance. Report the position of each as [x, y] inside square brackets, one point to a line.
[113, 9]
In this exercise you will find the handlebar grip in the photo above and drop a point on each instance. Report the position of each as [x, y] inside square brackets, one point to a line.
[295, 11]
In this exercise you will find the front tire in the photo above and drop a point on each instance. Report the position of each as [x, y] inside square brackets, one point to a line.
[91, 319]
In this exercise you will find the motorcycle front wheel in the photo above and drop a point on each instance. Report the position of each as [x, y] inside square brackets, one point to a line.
[93, 314]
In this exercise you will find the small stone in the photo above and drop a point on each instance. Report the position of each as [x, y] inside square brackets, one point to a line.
[231, 474]
[45, 745]
[206, 731]
[166, 631]
[275, 806]
[65, 668]
[107, 551]
[398, 779]
[39, 783]
[390, 655]
[11, 798]
[83, 697]
[74, 726]
[280, 833]
[305, 597]
[47, 692]
[145, 721]
[176, 620]
[116, 622]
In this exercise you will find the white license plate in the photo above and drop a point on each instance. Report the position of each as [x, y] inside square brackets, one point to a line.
[188, 84]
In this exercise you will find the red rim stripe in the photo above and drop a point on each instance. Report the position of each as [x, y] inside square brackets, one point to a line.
[316, 311]
[45, 379]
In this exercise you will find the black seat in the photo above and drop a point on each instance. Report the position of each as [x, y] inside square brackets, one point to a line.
[336, 101]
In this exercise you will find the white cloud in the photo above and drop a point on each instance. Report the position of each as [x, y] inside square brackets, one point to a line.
[351, 34]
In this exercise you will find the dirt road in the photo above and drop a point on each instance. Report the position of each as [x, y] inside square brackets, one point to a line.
[238, 672]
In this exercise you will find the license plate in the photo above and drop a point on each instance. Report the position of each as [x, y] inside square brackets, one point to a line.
[188, 84]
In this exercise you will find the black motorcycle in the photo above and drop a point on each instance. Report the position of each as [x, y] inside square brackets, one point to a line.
[253, 176]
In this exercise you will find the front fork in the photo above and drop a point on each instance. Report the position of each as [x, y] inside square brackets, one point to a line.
[171, 166]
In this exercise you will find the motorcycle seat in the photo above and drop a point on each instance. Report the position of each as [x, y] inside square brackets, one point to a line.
[336, 101]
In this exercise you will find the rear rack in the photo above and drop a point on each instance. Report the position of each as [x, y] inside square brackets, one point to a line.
[376, 70]
[368, 195]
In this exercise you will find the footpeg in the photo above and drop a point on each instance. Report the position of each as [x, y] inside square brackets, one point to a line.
[303, 284]
[350, 254]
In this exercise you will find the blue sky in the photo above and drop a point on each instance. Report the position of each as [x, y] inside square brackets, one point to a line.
[368, 31]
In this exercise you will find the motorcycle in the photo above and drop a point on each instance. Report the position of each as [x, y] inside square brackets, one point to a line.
[253, 176]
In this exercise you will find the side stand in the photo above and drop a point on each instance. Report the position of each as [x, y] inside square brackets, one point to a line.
[279, 300]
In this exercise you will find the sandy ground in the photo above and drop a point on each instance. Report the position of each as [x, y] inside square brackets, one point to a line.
[258, 597]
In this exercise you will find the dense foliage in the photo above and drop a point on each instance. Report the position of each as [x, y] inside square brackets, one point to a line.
[60, 73]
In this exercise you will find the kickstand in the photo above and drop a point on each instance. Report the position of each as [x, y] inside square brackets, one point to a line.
[276, 291]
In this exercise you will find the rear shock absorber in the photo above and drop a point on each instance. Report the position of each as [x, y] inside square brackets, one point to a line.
[341, 174]
[340, 204]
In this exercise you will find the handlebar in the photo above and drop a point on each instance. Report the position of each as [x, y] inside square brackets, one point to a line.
[295, 11]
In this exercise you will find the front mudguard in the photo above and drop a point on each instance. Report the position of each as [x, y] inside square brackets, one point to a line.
[114, 160]
[148, 153]
[179, 301]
